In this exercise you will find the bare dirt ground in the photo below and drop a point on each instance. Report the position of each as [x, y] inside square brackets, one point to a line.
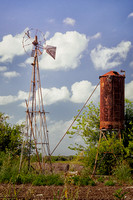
[68, 192]
[98, 192]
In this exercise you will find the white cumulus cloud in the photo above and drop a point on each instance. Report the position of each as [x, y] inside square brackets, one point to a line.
[22, 65]
[4, 100]
[106, 58]
[54, 95]
[70, 48]
[131, 64]
[82, 90]
[96, 36]
[3, 68]
[130, 15]
[11, 74]
[50, 96]
[11, 46]
[69, 21]
[22, 95]
[129, 91]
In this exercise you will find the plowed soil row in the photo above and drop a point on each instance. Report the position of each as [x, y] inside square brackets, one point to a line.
[98, 192]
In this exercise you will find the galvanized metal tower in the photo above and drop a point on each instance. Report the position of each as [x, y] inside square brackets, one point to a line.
[36, 126]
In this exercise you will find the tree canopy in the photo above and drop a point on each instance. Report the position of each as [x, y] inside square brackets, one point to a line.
[112, 149]
[10, 136]
[87, 126]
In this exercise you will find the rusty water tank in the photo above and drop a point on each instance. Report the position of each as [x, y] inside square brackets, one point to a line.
[112, 101]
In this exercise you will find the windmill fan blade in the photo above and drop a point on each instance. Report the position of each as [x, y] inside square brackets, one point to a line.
[40, 53]
[28, 34]
[32, 53]
[51, 51]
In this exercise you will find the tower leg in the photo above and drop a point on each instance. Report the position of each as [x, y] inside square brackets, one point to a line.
[119, 134]
[94, 169]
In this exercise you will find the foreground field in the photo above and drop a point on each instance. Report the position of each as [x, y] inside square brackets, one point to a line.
[75, 184]
[98, 192]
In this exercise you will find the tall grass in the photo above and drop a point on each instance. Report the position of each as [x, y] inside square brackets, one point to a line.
[122, 173]
[9, 168]
[53, 179]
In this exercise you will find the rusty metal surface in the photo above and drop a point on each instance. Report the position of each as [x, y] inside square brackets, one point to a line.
[112, 100]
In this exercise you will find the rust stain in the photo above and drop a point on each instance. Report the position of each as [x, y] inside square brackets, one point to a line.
[112, 100]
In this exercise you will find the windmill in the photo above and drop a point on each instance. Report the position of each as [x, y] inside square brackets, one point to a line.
[34, 44]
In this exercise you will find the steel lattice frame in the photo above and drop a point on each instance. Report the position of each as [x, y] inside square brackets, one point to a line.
[36, 127]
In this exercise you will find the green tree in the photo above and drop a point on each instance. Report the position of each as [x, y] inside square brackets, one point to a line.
[110, 152]
[129, 148]
[112, 149]
[87, 126]
[10, 136]
[127, 134]
[128, 123]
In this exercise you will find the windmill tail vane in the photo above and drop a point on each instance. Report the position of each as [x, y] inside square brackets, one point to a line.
[51, 50]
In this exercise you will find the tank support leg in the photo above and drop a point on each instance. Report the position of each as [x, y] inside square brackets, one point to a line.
[93, 173]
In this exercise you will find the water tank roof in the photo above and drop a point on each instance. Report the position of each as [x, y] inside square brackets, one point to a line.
[112, 73]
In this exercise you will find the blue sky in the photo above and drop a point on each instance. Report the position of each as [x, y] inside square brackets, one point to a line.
[92, 37]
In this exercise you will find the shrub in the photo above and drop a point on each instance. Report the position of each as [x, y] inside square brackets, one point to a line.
[24, 178]
[75, 180]
[122, 172]
[109, 183]
[3, 156]
[53, 179]
[39, 180]
[92, 183]
[8, 170]
[17, 180]
[62, 158]
[100, 179]
[85, 178]
[84, 181]
[81, 180]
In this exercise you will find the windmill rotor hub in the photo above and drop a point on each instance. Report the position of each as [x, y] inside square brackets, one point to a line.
[35, 42]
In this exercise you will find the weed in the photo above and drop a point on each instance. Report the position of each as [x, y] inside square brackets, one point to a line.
[119, 194]
[109, 183]
[11, 192]
[24, 178]
[75, 180]
[79, 180]
[101, 179]
[122, 173]
[53, 179]
[71, 194]
[58, 196]
[92, 183]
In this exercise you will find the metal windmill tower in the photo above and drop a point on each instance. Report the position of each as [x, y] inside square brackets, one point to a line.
[34, 44]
